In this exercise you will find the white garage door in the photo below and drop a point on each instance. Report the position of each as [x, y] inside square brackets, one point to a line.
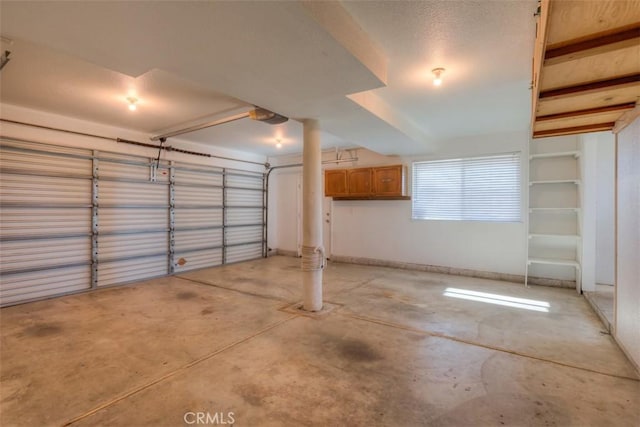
[132, 220]
[74, 220]
[45, 221]
[244, 232]
[198, 217]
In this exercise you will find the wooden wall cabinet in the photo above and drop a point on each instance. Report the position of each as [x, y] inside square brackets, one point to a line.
[388, 180]
[374, 183]
[335, 183]
[359, 182]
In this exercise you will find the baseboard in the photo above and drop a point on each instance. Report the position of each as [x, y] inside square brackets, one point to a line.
[628, 354]
[285, 252]
[517, 278]
[589, 297]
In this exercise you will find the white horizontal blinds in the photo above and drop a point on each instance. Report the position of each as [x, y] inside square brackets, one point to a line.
[45, 221]
[471, 189]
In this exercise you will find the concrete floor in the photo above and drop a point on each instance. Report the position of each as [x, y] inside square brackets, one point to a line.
[395, 351]
[602, 302]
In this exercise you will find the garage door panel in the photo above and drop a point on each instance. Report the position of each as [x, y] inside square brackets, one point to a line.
[249, 216]
[21, 255]
[198, 259]
[21, 287]
[132, 219]
[118, 272]
[31, 147]
[186, 176]
[42, 164]
[198, 218]
[197, 239]
[237, 197]
[236, 235]
[133, 194]
[130, 170]
[42, 222]
[38, 190]
[241, 180]
[121, 246]
[244, 252]
[197, 196]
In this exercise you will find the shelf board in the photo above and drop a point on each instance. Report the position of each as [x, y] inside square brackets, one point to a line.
[561, 210]
[556, 181]
[574, 154]
[554, 261]
[561, 236]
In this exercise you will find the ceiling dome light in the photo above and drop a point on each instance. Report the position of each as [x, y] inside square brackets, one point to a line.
[437, 73]
[132, 103]
[278, 143]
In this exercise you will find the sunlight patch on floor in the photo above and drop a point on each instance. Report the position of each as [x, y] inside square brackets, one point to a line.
[527, 304]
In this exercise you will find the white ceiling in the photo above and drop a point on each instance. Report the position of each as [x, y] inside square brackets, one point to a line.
[485, 46]
[362, 69]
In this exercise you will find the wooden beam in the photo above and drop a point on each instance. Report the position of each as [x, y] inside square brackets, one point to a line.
[592, 99]
[574, 130]
[588, 111]
[539, 47]
[572, 20]
[577, 121]
[594, 45]
[592, 86]
[626, 119]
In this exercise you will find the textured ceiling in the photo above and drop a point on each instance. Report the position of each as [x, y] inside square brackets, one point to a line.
[363, 69]
[485, 48]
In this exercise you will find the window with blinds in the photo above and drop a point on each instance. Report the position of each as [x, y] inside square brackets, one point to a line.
[471, 189]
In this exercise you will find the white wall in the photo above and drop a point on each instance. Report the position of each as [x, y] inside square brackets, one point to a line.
[283, 209]
[588, 197]
[17, 113]
[627, 322]
[384, 230]
[598, 224]
[605, 205]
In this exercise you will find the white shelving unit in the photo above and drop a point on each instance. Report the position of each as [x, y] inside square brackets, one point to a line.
[554, 240]
[558, 210]
[557, 236]
[574, 154]
[556, 181]
[552, 261]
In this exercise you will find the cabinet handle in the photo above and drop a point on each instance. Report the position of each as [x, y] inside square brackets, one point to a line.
[385, 180]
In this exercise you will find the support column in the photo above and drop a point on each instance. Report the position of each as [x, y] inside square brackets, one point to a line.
[312, 250]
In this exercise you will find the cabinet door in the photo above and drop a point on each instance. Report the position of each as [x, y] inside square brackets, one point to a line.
[335, 183]
[388, 181]
[359, 181]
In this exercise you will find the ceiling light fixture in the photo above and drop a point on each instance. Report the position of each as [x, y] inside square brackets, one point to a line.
[278, 143]
[437, 72]
[132, 103]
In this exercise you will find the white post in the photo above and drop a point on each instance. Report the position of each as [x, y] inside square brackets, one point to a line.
[312, 251]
